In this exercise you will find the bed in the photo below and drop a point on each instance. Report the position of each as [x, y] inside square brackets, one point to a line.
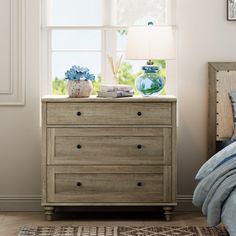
[216, 190]
[221, 81]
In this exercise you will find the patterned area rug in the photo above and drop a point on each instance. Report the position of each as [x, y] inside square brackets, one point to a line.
[122, 231]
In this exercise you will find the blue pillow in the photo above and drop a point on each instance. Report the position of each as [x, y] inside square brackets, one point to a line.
[215, 161]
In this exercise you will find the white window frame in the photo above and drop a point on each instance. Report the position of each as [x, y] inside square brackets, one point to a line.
[108, 42]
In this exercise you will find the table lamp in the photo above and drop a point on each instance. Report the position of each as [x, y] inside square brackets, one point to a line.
[149, 43]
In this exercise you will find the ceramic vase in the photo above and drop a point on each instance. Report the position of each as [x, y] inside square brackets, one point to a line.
[79, 88]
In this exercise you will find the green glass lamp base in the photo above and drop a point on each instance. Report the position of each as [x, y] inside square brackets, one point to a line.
[150, 82]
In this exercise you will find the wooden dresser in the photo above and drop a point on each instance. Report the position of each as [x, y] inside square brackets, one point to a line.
[109, 152]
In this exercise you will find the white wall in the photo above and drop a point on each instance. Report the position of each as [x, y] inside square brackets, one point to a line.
[204, 35]
[19, 125]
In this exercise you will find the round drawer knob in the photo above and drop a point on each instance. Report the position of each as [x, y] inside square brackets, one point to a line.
[79, 113]
[139, 146]
[79, 184]
[139, 184]
[139, 113]
[79, 146]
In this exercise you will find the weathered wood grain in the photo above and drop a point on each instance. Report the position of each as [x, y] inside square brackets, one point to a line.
[108, 155]
[108, 113]
[114, 184]
[113, 146]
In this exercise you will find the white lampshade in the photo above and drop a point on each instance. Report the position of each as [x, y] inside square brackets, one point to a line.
[150, 42]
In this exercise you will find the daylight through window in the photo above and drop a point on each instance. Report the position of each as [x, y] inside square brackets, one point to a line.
[87, 32]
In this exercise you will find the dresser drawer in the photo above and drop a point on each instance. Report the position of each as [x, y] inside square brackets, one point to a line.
[108, 113]
[96, 184]
[109, 146]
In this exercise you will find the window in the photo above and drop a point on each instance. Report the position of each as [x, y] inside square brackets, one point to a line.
[86, 32]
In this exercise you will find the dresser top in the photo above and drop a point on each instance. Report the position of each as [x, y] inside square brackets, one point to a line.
[63, 98]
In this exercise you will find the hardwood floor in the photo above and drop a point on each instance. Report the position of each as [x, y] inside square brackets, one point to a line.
[10, 222]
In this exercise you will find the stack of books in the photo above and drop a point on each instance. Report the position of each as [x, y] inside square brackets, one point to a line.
[115, 91]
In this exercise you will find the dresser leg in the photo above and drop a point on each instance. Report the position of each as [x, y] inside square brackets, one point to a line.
[49, 211]
[168, 211]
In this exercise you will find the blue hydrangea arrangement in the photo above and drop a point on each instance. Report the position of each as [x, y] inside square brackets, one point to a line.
[79, 73]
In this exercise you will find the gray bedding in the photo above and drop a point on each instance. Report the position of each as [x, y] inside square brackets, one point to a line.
[216, 195]
[228, 215]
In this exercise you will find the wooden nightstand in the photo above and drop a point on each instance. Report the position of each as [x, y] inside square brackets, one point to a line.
[109, 152]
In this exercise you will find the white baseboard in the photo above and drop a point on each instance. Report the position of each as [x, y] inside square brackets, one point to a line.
[20, 203]
[185, 203]
[33, 203]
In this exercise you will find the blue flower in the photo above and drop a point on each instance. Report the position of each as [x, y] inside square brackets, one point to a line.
[78, 73]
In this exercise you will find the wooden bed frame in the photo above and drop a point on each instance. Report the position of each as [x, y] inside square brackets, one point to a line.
[222, 80]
